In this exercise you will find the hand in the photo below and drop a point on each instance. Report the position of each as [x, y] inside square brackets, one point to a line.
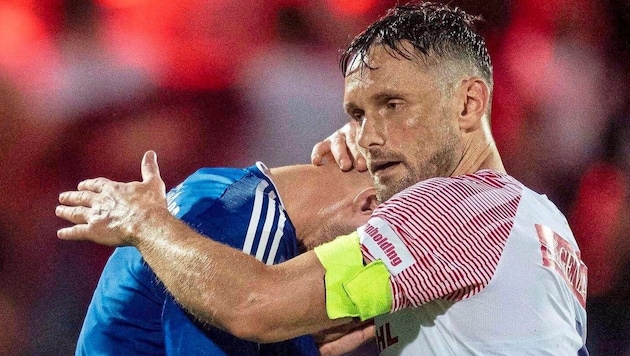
[344, 338]
[343, 146]
[110, 213]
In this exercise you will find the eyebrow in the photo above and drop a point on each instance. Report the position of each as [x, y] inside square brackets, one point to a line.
[378, 97]
[383, 96]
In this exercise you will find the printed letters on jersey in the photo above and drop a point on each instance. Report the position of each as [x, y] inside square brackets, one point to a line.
[384, 244]
[558, 255]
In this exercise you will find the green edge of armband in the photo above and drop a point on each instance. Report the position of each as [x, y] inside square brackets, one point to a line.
[342, 260]
[370, 290]
[352, 289]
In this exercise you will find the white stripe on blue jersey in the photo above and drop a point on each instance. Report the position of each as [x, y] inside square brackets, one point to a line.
[266, 240]
[266, 230]
[253, 221]
[277, 237]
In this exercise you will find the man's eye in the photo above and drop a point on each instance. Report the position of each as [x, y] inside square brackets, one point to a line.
[357, 115]
[394, 104]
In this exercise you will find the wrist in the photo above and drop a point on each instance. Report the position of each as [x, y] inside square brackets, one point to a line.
[147, 226]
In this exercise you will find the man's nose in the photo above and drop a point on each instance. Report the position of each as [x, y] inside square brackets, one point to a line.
[371, 133]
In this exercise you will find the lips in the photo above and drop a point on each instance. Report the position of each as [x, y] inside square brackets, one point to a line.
[378, 167]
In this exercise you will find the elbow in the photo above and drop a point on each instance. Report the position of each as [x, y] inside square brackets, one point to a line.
[254, 319]
[253, 325]
[252, 331]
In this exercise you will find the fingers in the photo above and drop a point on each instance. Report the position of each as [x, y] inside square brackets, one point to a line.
[336, 145]
[368, 333]
[80, 198]
[76, 206]
[350, 130]
[84, 232]
[348, 342]
[151, 172]
[339, 149]
[95, 185]
[76, 232]
[320, 150]
[360, 164]
[343, 147]
[74, 214]
[357, 158]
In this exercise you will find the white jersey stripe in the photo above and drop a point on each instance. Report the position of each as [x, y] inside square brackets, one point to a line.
[255, 217]
[277, 237]
[266, 231]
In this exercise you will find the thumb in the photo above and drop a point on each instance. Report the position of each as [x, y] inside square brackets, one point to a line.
[150, 169]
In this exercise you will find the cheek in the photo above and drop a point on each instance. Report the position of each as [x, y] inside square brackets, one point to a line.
[412, 122]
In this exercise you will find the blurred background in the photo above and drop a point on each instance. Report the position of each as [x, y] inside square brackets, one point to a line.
[86, 86]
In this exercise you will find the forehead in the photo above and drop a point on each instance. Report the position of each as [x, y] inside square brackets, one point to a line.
[383, 69]
[378, 53]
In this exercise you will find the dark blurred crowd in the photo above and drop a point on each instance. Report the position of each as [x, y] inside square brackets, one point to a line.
[86, 86]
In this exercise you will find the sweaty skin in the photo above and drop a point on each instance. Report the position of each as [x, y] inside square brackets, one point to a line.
[247, 298]
[231, 290]
[404, 132]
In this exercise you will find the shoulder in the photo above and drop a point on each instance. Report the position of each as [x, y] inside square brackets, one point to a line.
[206, 182]
[238, 207]
[444, 193]
[435, 232]
[442, 214]
[199, 191]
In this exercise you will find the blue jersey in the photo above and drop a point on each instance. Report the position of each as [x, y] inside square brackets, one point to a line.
[132, 314]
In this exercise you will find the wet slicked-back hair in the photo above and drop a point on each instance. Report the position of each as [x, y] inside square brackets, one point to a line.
[444, 38]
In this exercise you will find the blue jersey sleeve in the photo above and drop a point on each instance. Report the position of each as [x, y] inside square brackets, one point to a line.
[123, 317]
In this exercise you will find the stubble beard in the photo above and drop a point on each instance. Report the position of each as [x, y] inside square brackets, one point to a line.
[387, 188]
[441, 164]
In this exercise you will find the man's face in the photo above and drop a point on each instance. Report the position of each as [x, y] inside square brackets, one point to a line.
[407, 130]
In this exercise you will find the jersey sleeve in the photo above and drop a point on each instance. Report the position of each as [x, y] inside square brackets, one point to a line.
[442, 238]
[124, 316]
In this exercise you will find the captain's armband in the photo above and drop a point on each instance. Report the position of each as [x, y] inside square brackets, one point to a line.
[353, 289]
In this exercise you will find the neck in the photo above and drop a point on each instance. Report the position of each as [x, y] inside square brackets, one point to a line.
[480, 152]
[301, 201]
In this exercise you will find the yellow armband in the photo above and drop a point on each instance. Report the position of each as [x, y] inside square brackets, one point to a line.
[352, 289]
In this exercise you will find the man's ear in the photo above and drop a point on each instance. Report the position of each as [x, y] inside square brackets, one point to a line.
[365, 202]
[474, 99]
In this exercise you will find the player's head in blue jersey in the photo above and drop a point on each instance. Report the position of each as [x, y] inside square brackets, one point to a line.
[418, 87]
[323, 202]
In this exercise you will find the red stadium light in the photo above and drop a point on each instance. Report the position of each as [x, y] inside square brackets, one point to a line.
[120, 4]
[351, 7]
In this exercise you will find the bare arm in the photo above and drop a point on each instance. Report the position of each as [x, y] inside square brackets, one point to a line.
[218, 284]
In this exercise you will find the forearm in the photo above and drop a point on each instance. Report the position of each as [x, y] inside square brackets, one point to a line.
[229, 289]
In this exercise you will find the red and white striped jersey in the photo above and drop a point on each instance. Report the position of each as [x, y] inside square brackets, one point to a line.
[480, 265]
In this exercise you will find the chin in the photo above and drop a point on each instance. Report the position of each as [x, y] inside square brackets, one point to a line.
[386, 190]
